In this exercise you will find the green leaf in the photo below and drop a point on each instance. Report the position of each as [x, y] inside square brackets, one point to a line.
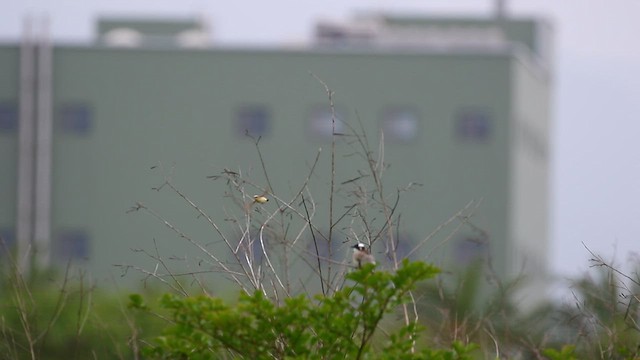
[136, 302]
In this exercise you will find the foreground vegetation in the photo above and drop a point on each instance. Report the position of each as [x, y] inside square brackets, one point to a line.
[402, 310]
[58, 317]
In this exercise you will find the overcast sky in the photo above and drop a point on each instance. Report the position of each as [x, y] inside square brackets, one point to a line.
[596, 152]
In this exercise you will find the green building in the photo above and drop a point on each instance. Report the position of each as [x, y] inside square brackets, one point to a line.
[462, 106]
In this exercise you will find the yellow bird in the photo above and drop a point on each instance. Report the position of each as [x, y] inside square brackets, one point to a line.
[260, 199]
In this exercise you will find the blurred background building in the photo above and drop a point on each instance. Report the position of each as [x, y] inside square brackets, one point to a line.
[87, 130]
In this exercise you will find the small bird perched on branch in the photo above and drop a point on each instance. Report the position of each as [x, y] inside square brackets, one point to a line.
[257, 199]
[362, 255]
[260, 199]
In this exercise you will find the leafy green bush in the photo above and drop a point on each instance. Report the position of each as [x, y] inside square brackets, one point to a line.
[341, 325]
[566, 353]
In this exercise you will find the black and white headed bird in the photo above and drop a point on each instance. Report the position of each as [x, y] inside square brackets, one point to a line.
[362, 255]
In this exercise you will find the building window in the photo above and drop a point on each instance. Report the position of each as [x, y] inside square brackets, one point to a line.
[252, 120]
[473, 124]
[253, 248]
[337, 247]
[7, 240]
[404, 243]
[75, 118]
[321, 123]
[72, 244]
[8, 117]
[469, 249]
[400, 125]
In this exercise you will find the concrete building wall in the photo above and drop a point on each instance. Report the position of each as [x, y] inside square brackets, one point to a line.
[530, 185]
[125, 120]
[178, 108]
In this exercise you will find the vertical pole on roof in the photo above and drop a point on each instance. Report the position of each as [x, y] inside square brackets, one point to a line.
[26, 149]
[44, 132]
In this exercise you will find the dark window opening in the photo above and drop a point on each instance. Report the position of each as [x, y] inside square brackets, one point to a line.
[470, 249]
[323, 248]
[8, 117]
[473, 125]
[7, 240]
[75, 118]
[252, 120]
[71, 245]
